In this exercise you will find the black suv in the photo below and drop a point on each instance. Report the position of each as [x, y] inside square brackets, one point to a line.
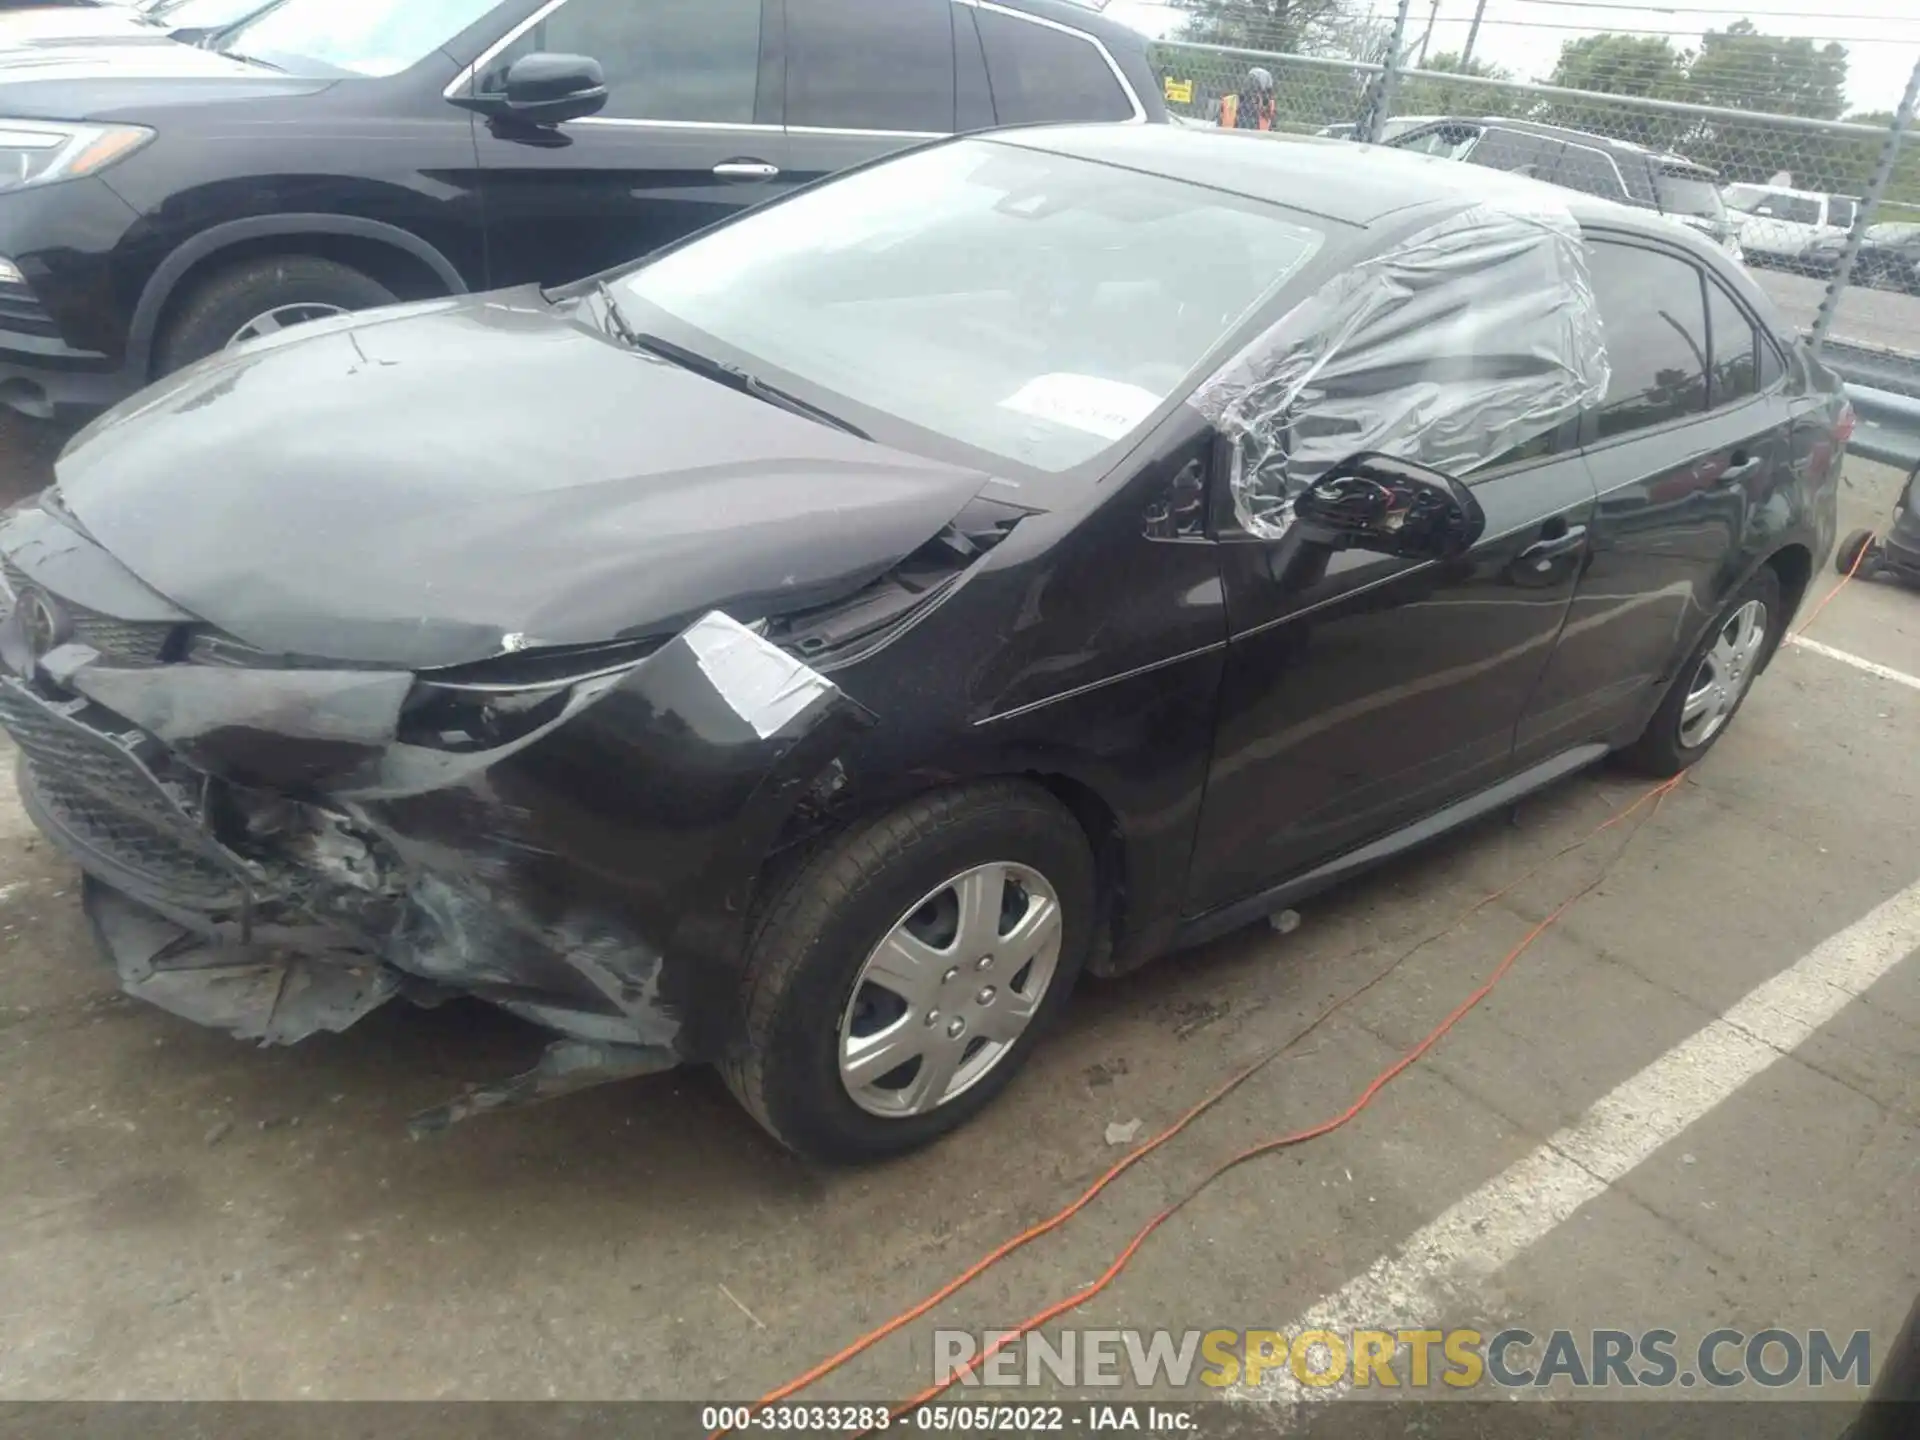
[160, 201]
[1672, 185]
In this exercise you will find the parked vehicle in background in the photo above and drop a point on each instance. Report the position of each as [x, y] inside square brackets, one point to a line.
[41, 27]
[161, 201]
[1782, 227]
[1889, 257]
[808, 650]
[1671, 185]
[1389, 129]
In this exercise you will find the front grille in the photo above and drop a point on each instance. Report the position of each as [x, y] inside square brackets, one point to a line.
[22, 312]
[133, 642]
[95, 786]
[171, 872]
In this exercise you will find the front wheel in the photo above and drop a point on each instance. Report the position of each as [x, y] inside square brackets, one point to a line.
[257, 298]
[898, 980]
[1710, 687]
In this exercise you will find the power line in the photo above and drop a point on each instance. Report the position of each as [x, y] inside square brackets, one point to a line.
[1694, 33]
[1679, 7]
[1682, 8]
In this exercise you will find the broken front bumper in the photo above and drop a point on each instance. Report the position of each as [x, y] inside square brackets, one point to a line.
[277, 852]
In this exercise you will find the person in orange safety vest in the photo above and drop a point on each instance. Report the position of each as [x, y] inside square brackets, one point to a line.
[1252, 108]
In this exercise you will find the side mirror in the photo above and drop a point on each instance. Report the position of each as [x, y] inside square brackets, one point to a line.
[550, 90]
[1391, 506]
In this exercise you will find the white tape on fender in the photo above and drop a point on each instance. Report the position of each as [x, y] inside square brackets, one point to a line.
[766, 687]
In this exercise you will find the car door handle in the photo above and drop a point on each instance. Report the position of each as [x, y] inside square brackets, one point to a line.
[745, 170]
[1541, 552]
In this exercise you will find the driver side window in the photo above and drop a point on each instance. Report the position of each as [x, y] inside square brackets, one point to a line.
[677, 60]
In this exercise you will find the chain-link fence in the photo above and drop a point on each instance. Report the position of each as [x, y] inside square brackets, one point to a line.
[1812, 206]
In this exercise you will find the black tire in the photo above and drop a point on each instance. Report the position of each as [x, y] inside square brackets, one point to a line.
[1851, 558]
[816, 931]
[1660, 750]
[221, 305]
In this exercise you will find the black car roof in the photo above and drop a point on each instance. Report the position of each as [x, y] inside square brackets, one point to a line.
[1334, 179]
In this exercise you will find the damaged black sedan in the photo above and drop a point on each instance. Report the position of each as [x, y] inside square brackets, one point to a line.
[811, 649]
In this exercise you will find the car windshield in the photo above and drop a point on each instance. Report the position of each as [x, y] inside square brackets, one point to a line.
[1034, 306]
[352, 37]
[1688, 192]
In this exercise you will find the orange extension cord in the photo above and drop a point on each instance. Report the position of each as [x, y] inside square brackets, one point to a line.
[1280, 1142]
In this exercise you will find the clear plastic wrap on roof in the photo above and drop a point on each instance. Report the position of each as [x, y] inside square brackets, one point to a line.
[1459, 344]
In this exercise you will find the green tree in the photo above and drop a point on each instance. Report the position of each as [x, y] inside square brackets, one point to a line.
[1423, 95]
[1291, 25]
[1740, 69]
[1644, 65]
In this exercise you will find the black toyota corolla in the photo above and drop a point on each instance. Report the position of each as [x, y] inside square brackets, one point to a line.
[810, 650]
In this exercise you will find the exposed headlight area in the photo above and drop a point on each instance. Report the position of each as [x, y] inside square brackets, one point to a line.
[37, 152]
[486, 706]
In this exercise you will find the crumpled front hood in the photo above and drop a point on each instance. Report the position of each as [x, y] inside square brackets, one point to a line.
[442, 482]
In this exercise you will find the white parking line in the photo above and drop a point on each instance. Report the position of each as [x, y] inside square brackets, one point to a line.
[1899, 677]
[1483, 1232]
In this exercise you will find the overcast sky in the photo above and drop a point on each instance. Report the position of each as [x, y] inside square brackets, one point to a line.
[1882, 36]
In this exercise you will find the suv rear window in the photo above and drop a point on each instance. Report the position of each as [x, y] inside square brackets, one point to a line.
[1041, 74]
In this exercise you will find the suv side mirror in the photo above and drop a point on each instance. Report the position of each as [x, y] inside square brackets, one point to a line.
[1391, 506]
[549, 90]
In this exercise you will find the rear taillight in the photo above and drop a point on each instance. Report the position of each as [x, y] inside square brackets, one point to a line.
[1843, 427]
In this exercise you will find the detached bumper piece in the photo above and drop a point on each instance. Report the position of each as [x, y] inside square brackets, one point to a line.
[257, 992]
[187, 922]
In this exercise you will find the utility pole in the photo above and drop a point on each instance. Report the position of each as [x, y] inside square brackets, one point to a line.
[1433, 18]
[1473, 33]
[1389, 76]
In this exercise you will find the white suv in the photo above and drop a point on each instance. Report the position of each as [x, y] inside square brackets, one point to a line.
[1780, 226]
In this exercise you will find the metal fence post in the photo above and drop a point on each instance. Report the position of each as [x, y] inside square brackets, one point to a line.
[1390, 76]
[1869, 204]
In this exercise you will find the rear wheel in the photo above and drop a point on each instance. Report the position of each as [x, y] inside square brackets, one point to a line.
[260, 297]
[900, 978]
[1710, 687]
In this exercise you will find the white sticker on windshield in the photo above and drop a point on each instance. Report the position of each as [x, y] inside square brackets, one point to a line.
[1107, 408]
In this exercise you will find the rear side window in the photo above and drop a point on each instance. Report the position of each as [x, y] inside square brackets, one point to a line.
[1588, 170]
[1689, 192]
[870, 64]
[1736, 348]
[1654, 317]
[664, 60]
[1522, 154]
[1840, 211]
[1452, 141]
[1041, 74]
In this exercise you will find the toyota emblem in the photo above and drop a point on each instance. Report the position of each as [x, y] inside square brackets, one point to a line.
[44, 623]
